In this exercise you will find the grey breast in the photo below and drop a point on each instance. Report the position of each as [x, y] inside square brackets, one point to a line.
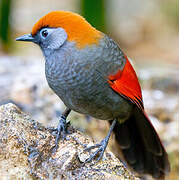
[79, 78]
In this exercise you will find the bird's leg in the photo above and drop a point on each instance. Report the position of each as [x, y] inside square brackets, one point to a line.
[62, 126]
[101, 146]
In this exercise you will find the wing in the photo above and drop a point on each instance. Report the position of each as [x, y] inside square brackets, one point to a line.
[126, 83]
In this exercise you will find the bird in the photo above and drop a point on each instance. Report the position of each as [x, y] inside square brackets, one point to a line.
[90, 73]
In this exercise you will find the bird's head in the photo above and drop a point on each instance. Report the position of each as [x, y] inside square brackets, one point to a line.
[57, 27]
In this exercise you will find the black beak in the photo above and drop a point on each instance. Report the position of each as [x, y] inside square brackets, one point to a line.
[26, 37]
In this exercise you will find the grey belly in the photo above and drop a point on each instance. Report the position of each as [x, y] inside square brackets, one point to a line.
[94, 99]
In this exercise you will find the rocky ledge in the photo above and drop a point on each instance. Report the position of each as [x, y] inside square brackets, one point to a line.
[26, 152]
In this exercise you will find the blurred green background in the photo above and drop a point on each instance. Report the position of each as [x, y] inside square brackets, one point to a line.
[147, 31]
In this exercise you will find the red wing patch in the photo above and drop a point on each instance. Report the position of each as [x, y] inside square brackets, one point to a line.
[127, 85]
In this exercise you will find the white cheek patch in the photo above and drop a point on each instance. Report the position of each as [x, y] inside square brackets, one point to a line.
[57, 38]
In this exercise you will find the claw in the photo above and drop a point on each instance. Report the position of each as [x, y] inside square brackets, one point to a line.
[92, 147]
[61, 129]
[101, 147]
[100, 151]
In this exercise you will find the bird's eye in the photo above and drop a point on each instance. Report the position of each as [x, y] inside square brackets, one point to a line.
[45, 33]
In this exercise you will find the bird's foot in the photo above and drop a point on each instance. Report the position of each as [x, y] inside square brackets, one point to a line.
[99, 152]
[101, 146]
[61, 131]
[61, 128]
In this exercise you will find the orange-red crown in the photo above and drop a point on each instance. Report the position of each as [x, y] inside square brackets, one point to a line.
[77, 28]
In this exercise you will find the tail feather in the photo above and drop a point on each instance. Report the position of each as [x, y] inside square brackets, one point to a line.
[123, 130]
[141, 146]
[149, 135]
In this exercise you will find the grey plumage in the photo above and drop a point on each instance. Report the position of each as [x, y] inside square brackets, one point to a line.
[79, 78]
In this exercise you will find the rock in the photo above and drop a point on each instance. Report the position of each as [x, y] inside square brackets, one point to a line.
[26, 152]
